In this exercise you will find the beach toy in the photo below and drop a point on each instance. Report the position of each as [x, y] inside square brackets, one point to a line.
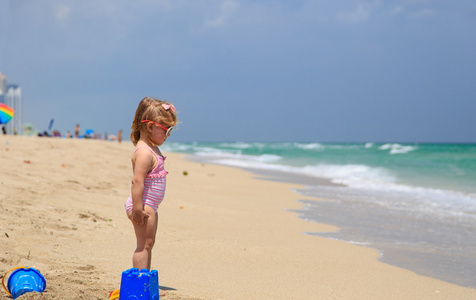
[23, 280]
[141, 284]
[114, 295]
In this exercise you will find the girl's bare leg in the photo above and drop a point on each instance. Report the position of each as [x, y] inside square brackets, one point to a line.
[145, 235]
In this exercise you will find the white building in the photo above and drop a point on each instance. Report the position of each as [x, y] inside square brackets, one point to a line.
[13, 99]
[3, 83]
[3, 87]
[11, 95]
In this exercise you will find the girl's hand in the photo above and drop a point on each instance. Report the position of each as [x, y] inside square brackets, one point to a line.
[139, 216]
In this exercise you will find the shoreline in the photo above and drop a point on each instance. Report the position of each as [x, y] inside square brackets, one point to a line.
[222, 234]
[420, 254]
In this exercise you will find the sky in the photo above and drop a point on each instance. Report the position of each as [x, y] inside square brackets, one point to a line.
[265, 70]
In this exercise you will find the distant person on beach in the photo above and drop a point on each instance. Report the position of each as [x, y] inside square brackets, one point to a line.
[152, 124]
[76, 131]
[119, 136]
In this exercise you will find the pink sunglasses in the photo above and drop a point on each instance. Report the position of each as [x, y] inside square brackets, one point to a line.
[168, 131]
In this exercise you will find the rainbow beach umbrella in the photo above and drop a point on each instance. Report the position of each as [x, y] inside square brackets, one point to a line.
[6, 113]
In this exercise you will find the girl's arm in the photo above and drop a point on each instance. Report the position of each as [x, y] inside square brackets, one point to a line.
[142, 162]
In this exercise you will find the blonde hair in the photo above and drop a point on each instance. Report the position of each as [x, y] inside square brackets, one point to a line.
[151, 109]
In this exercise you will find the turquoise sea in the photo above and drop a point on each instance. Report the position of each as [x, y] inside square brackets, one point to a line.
[415, 203]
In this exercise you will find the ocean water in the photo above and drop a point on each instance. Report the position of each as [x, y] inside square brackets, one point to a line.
[415, 203]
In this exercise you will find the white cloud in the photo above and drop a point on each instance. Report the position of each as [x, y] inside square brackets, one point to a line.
[62, 12]
[361, 14]
[227, 8]
[423, 12]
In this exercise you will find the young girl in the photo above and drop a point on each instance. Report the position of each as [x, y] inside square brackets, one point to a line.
[153, 123]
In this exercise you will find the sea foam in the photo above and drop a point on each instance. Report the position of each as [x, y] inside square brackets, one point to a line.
[397, 148]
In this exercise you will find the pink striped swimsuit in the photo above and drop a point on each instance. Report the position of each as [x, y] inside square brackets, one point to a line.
[154, 185]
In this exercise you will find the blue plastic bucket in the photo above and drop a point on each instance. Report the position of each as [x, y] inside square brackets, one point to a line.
[25, 280]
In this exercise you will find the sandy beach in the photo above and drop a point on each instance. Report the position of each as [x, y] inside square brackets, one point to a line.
[223, 234]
